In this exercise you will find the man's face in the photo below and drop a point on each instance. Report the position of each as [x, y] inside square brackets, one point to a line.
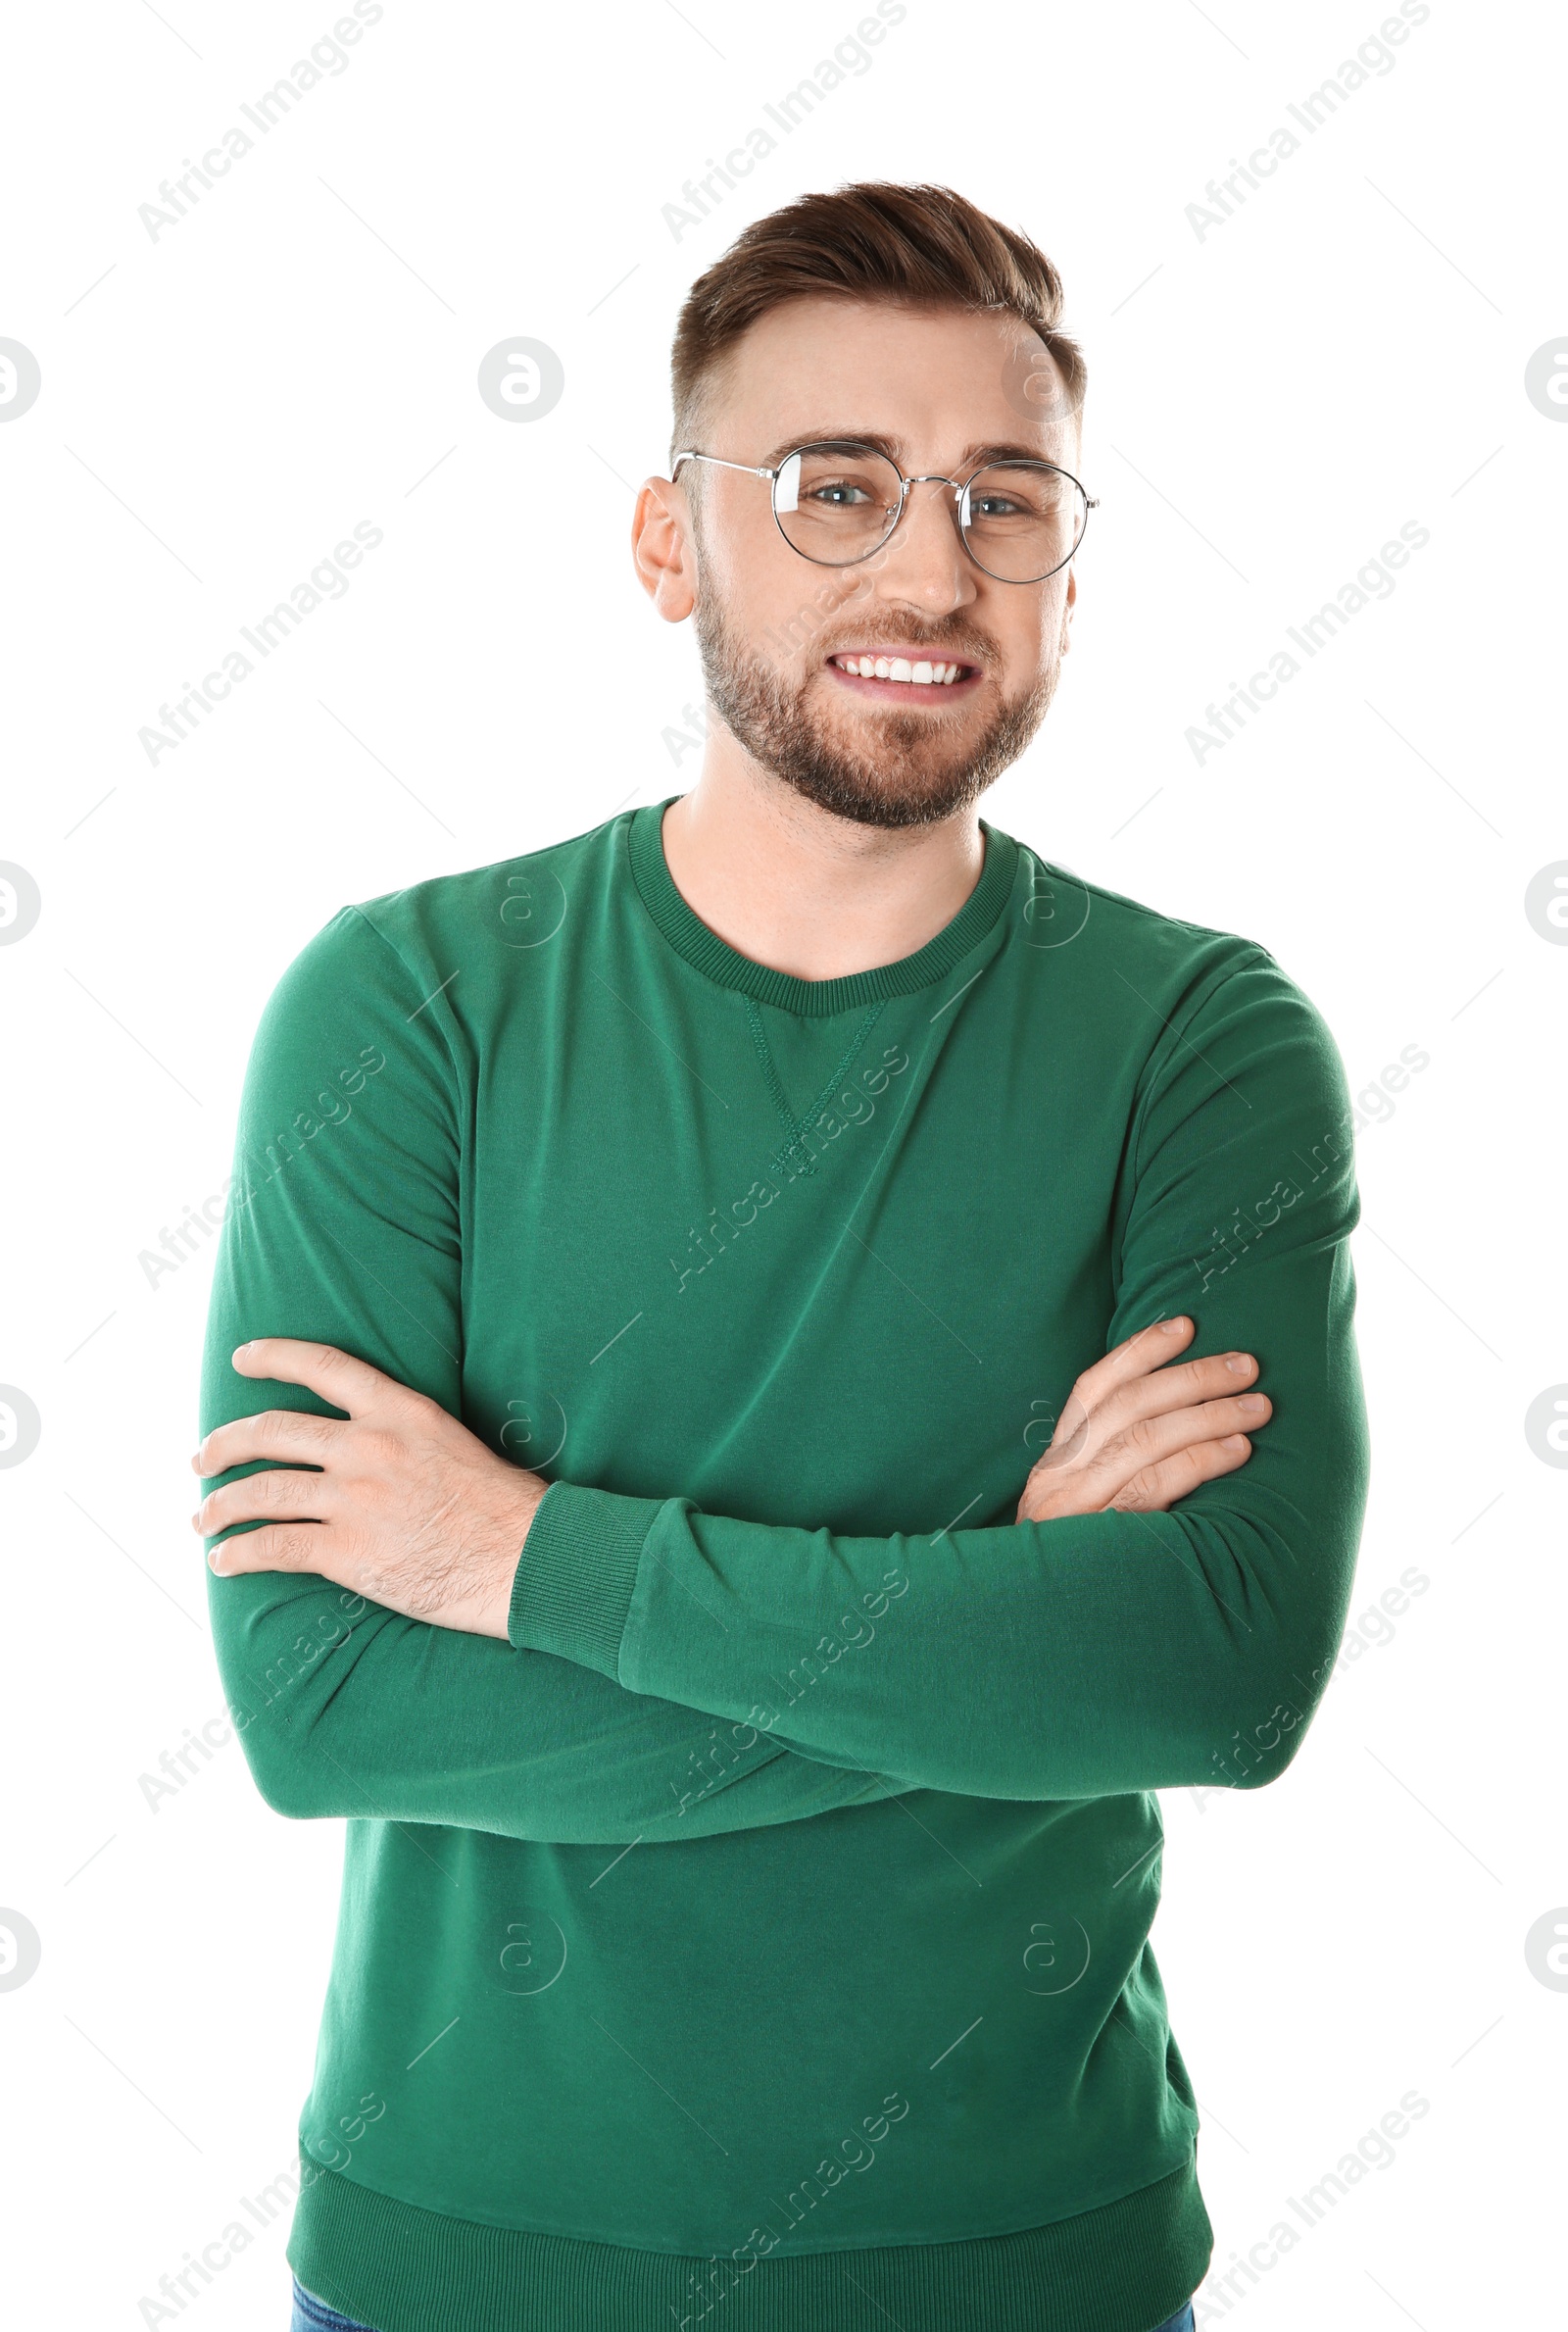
[940, 389]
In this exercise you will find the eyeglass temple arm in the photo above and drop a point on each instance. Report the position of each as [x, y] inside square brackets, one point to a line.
[692, 455]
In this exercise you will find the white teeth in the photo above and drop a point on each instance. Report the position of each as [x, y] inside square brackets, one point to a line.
[924, 673]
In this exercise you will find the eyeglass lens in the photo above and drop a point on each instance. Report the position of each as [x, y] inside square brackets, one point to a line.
[836, 504]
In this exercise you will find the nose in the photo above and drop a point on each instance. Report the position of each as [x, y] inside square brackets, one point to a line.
[923, 559]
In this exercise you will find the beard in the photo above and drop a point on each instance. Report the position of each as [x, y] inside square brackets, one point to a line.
[913, 768]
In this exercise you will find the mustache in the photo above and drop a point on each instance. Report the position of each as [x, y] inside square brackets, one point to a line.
[972, 646]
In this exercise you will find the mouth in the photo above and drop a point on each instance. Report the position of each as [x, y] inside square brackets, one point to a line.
[895, 676]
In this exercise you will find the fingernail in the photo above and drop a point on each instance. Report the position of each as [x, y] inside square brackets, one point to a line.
[1252, 1402]
[1234, 1441]
[239, 1352]
[1172, 1328]
[1239, 1363]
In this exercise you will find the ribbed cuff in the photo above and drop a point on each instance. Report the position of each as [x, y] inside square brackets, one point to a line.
[574, 1580]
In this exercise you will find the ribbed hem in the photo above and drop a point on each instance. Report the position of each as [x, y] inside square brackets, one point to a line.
[701, 946]
[574, 1580]
[1124, 2267]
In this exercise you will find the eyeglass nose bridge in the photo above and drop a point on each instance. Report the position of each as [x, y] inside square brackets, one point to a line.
[929, 477]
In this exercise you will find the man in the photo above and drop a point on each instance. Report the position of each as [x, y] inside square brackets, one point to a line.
[744, 1485]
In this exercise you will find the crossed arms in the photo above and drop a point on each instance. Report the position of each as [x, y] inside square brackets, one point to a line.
[1136, 1628]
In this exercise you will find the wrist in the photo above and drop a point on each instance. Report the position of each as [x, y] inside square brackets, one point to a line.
[531, 1500]
[485, 1612]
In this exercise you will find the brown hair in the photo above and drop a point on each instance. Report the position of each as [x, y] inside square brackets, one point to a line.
[919, 246]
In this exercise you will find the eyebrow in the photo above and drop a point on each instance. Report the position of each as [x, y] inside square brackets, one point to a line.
[895, 450]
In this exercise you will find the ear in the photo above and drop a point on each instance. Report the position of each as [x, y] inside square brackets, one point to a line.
[663, 550]
[1069, 603]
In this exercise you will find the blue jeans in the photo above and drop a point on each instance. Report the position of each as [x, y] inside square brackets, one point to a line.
[313, 2316]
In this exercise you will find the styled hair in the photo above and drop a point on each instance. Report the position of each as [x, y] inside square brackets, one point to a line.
[914, 246]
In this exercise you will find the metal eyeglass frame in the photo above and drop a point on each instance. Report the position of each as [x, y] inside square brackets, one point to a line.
[926, 477]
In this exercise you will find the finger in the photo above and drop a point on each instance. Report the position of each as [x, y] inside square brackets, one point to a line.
[283, 1491]
[1215, 1377]
[1149, 1440]
[1083, 1431]
[1134, 1357]
[348, 1383]
[1157, 1487]
[293, 1433]
[1090, 1476]
[277, 1547]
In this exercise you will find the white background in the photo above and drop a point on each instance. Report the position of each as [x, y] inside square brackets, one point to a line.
[1268, 402]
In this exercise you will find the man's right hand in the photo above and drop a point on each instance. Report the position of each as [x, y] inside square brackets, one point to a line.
[1137, 1434]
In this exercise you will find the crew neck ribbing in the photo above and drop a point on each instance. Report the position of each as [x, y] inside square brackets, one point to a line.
[714, 957]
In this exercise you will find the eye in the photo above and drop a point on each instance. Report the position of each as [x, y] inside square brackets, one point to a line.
[839, 494]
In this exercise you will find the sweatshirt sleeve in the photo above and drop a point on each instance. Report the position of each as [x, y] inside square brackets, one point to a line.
[1089, 1654]
[343, 1225]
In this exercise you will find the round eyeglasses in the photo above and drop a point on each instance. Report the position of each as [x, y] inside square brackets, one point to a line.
[838, 501]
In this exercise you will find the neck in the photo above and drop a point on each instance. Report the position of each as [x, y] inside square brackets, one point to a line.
[807, 893]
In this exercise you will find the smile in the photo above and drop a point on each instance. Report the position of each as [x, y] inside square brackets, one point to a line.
[896, 677]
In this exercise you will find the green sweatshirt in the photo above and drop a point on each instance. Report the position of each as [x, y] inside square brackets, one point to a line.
[760, 1938]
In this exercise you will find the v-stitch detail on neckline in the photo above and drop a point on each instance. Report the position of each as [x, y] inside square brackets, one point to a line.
[792, 1149]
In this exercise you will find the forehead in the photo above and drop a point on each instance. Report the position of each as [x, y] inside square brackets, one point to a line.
[933, 380]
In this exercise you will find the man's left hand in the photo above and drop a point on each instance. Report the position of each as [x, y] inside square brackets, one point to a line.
[408, 1507]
